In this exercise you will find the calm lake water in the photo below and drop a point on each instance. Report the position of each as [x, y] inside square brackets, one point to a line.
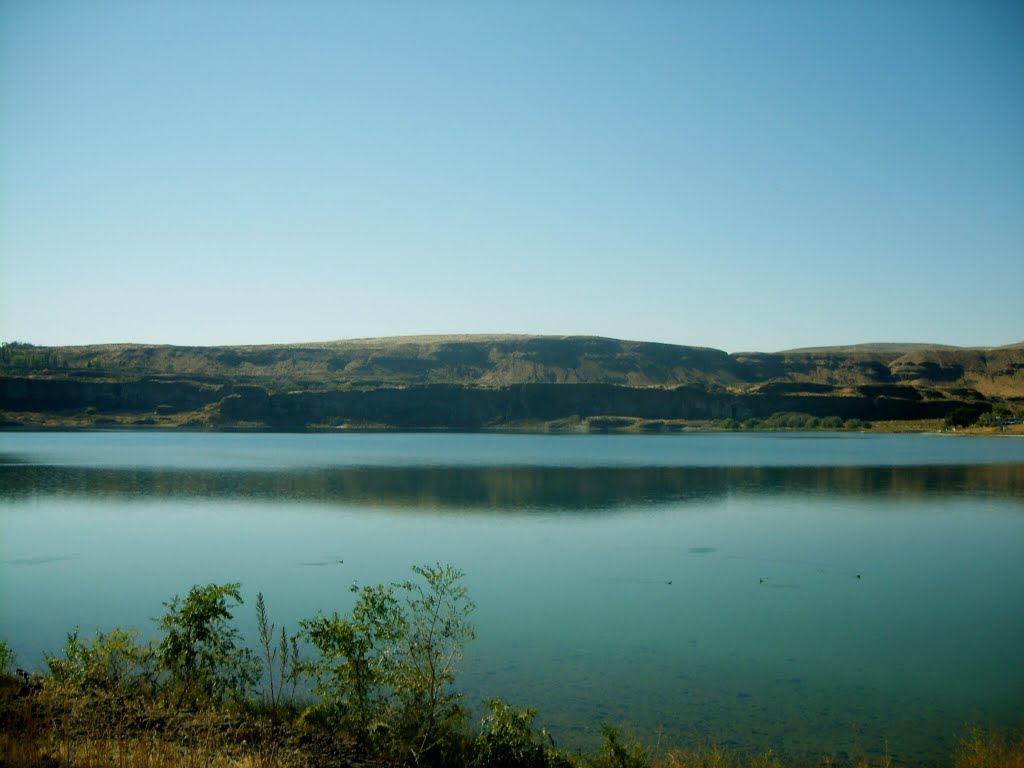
[815, 593]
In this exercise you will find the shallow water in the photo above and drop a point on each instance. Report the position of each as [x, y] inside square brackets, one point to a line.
[813, 592]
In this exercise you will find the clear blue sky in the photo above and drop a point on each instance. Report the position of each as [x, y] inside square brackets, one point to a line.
[746, 176]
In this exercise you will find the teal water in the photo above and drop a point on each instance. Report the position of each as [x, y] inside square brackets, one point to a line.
[764, 637]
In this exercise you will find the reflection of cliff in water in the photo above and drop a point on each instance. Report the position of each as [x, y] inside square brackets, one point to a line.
[496, 489]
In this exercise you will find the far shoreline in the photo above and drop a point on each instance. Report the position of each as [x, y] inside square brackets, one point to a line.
[36, 422]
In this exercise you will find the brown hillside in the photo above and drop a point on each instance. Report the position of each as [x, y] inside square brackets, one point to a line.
[495, 361]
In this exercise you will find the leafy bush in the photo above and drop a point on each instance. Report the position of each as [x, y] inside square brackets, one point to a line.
[386, 668]
[356, 654]
[791, 420]
[507, 740]
[437, 628]
[797, 420]
[962, 417]
[615, 754]
[7, 659]
[199, 650]
[110, 661]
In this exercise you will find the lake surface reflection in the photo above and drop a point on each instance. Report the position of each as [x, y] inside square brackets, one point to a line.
[810, 592]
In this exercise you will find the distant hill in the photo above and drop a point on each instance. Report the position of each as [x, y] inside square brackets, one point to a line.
[882, 348]
[288, 379]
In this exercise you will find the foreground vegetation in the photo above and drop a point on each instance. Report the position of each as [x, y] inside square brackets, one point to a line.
[382, 675]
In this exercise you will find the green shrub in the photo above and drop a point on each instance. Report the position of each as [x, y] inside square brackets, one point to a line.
[7, 659]
[353, 673]
[614, 754]
[110, 661]
[386, 669]
[791, 420]
[199, 650]
[437, 609]
[507, 740]
[962, 417]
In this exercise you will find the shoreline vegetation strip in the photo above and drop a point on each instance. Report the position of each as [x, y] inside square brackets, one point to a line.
[382, 677]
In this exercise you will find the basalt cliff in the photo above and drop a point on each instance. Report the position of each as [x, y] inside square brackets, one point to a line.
[494, 382]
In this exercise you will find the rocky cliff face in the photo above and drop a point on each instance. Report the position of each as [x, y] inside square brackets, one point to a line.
[454, 406]
[469, 383]
[991, 372]
[473, 408]
[63, 394]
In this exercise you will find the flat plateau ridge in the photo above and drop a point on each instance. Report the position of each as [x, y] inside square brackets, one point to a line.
[494, 380]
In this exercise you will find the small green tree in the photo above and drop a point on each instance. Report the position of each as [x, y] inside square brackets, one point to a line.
[386, 669]
[437, 628]
[357, 653]
[507, 740]
[199, 649]
[962, 417]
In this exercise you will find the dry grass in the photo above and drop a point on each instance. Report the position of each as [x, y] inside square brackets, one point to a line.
[710, 755]
[48, 726]
[989, 749]
[108, 752]
[714, 756]
[145, 753]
